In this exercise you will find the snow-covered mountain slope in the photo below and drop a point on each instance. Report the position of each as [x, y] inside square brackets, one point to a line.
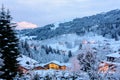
[100, 32]
[107, 25]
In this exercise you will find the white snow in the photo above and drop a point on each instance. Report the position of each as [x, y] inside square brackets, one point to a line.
[23, 62]
[0, 34]
[56, 26]
[27, 37]
[115, 55]
[5, 38]
[58, 63]
[72, 42]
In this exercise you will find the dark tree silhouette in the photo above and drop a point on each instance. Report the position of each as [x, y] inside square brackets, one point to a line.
[8, 46]
[70, 54]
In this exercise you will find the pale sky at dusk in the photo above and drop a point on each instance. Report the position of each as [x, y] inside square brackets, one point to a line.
[42, 12]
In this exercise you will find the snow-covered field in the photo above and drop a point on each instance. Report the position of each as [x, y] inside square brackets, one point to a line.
[55, 75]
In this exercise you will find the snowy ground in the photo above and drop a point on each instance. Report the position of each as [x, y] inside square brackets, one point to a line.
[56, 75]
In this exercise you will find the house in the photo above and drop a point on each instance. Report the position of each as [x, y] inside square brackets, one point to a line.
[111, 64]
[63, 67]
[56, 65]
[114, 57]
[26, 64]
[53, 65]
[107, 67]
[103, 67]
[38, 68]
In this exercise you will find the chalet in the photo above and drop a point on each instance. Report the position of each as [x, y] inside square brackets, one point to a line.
[27, 64]
[38, 68]
[108, 67]
[52, 66]
[114, 57]
[56, 65]
[63, 67]
[112, 62]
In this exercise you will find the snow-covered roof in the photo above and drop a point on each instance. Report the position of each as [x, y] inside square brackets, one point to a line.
[114, 63]
[56, 62]
[23, 60]
[41, 65]
[116, 55]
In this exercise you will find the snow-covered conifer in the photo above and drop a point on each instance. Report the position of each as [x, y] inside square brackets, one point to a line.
[8, 46]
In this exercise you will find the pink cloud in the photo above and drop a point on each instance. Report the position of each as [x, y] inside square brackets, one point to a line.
[25, 25]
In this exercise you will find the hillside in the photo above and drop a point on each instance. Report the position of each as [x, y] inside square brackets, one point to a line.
[64, 42]
[105, 24]
[60, 47]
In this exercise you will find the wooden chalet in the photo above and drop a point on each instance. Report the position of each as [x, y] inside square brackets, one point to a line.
[55, 65]
[39, 67]
[27, 64]
[107, 67]
[63, 67]
[114, 57]
[110, 65]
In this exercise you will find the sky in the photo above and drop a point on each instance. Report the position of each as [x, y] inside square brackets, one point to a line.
[38, 13]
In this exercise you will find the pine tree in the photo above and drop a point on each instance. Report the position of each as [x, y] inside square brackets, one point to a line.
[70, 54]
[1, 63]
[8, 46]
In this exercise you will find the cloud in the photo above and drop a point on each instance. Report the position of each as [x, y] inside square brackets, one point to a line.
[25, 25]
